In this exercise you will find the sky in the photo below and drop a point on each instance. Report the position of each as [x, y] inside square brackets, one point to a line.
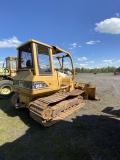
[88, 29]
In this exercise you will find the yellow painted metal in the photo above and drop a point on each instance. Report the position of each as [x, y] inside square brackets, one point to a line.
[54, 80]
[9, 70]
[35, 59]
[90, 89]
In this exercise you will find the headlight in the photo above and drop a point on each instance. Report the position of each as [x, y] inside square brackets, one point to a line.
[39, 85]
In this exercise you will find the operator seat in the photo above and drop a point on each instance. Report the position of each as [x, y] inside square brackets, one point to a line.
[29, 63]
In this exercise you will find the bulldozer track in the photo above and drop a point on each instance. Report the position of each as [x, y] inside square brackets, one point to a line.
[49, 110]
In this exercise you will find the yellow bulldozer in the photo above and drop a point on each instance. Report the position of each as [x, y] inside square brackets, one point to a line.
[45, 86]
[7, 72]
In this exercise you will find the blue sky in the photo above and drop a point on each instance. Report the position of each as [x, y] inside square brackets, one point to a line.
[88, 29]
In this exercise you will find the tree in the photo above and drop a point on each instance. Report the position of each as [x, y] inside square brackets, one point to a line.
[97, 70]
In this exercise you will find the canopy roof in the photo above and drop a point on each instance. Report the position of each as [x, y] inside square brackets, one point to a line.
[54, 48]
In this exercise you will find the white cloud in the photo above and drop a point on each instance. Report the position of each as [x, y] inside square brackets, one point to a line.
[111, 26]
[74, 45]
[83, 65]
[71, 48]
[118, 61]
[11, 42]
[1, 62]
[82, 59]
[66, 63]
[93, 42]
[56, 61]
[90, 62]
[107, 61]
[117, 14]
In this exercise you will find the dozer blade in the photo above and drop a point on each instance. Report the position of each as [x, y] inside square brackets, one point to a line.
[91, 90]
[49, 110]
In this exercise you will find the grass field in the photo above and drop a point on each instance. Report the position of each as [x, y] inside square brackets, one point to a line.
[91, 133]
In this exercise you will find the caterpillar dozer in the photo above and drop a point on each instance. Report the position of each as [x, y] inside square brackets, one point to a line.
[7, 72]
[45, 83]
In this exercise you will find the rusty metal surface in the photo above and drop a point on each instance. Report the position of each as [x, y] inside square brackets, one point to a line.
[51, 109]
[45, 101]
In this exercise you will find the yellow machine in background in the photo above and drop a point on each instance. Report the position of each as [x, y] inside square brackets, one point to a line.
[7, 72]
[45, 83]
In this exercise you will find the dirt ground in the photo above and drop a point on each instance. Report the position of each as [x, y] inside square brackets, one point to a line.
[91, 133]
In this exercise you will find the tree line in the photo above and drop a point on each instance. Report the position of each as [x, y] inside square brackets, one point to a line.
[97, 70]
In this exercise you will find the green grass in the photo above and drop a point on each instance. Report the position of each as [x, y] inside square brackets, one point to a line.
[23, 138]
[10, 124]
